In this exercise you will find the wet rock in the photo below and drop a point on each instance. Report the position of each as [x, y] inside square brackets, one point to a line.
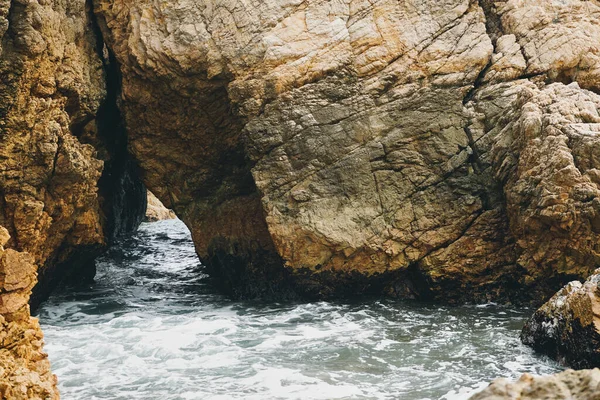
[567, 327]
[580, 385]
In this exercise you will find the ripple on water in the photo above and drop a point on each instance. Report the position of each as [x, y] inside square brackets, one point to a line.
[152, 328]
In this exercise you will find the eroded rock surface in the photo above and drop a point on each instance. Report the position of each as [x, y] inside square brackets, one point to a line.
[52, 149]
[424, 149]
[24, 367]
[580, 385]
[64, 182]
[567, 327]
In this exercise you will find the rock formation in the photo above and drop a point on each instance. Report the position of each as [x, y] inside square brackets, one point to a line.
[580, 385]
[156, 211]
[436, 150]
[52, 147]
[567, 327]
[427, 149]
[24, 367]
[67, 184]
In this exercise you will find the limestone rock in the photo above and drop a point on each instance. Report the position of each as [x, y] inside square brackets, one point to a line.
[61, 171]
[567, 327]
[156, 211]
[580, 385]
[55, 202]
[340, 147]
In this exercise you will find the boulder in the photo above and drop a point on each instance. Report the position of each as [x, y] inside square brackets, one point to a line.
[567, 327]
[156, 211]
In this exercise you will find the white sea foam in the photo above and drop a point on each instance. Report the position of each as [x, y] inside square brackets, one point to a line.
[152, 328]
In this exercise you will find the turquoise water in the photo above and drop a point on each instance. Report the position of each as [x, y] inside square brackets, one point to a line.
[151, 327]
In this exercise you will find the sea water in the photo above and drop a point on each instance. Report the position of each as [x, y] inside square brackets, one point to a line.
[152, 327]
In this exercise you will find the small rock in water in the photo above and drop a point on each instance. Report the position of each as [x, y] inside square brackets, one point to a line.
[567, 327]
[156, 211]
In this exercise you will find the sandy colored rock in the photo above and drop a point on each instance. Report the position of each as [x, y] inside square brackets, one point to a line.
[156, 211]
[24, 367]
[52, 84]
[339, 147]
[580, 385]
[58, 183]
[567, 327]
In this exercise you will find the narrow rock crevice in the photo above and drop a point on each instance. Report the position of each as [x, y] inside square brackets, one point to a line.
[121, 192]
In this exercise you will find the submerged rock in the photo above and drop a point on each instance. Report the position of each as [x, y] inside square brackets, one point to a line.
[567, 327]
[156, 211]
[568, 385]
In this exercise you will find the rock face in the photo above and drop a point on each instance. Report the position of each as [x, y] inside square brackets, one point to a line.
[24, 367]
[156, 211]
[443, 150]
[580, 385]
[52, 148]
[67, 184]
[567, 327]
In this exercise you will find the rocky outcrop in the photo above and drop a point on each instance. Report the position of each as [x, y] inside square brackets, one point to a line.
[53, 150]
[580, 385]
[52, 84]
[156, 211]
[431, 150]
[67, 184]
[24, 367]
[567, 327]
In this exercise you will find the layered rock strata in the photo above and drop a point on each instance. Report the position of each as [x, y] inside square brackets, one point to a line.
[580, 385]
[340, 147]
[567, 327]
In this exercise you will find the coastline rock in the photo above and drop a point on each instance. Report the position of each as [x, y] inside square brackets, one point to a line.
[67, 184]
[61, 170]
[567, 327]
[156, 211]
[567, 385]
[332, 148]
[24, 367]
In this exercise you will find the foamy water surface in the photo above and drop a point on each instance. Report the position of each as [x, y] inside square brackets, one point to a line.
[151, 327]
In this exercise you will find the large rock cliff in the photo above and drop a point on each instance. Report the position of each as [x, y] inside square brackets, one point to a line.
[431, 149]
[427, 149]
[67, 184]
[65, 175]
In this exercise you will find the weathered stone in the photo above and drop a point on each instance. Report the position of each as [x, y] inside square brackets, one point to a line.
[156, 211]
[568, 385]
[383, 147]
[56, 201]
[24, 367]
